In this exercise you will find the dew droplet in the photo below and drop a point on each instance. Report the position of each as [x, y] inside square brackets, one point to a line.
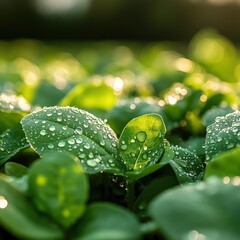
[124, 147]
[91, 163]
[102, 143]
[59, 119]
[79, 140]
[87, 146]
[43, 132]
[50, 146]
[82, 155]
[141, 136]
[61, 144]
[52, 128]
[71, 141]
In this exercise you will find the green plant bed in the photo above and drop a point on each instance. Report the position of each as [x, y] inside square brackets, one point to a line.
[120, 141]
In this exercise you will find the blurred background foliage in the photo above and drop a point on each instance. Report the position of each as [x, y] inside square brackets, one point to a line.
[118, 19]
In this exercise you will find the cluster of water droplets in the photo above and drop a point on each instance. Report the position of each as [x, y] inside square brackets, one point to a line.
[137, 152]
[187, 166]
[223, 134]
[73, 130]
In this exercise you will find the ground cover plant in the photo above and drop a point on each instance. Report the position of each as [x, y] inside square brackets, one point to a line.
[119, 141]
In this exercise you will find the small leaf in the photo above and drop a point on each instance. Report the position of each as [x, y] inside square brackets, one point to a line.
[186, 165]
[19, 217]
[223, 134]
[12, 141]
[224, 164]
[204, 210]
[109, 222]
[76, 131]
[58, 187]
[142, 142]
[15, 169]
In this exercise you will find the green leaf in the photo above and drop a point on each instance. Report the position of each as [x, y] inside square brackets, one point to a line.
[142, 142]
[223, 134]
[12, 141]
[19, 217]
[12, 109]
[224, 164]
[205, 210]
[58, 187]
[90, 96]
[106, 221]
[15, 169]
[186, 165]
[76, 131]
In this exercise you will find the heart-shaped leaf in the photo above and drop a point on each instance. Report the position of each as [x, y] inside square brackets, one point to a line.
[204, 210]
[76, 131]
[21, 219]
[223, 134]
[11, 142]
[142, 141]
[58, 187]
[186, 165]
[109, 222]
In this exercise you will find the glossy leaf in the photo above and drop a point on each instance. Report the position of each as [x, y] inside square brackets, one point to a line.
[224, 164]
[58, 187]
[21, 219]
[106, 221]
[205, 210]
[186, 165]
[12, 141]
[142, 142]
[223, 134]
[76, 131]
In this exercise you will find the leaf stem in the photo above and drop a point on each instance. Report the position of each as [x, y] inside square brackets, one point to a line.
[130, 195]
[149, 228]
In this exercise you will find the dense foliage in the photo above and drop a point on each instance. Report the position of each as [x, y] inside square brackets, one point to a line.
[120, 140]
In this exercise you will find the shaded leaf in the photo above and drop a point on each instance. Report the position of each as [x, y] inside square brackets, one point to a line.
[205, 210]
[106, 221]
[58, 187]
[21, 219]
[15, 169]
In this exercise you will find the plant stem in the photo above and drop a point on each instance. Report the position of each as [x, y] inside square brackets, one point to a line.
[130, 196]
[149, 228]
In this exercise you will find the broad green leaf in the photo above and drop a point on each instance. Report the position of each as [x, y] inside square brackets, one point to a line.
[196, 145]
[76, 131]
[15, 169]
[223, 134]
[12, 109]
[224, 164]
[127, 109]
[142, 142]
[204, 210]
[20, 218]
[12, 141]
[58, 187]
[186, 165]
[90, 96]
[106, 221]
